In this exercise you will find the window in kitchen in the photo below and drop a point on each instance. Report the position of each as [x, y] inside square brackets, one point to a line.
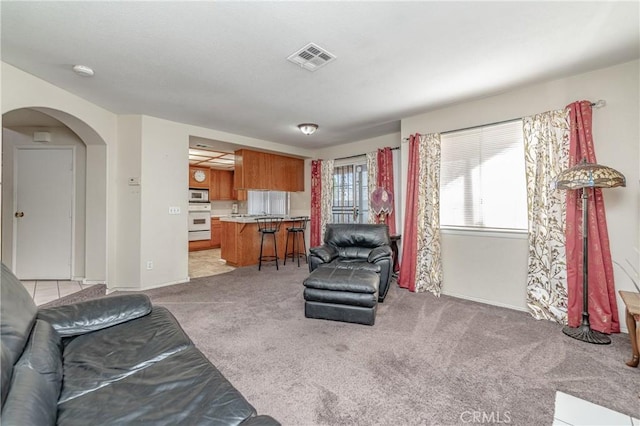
[268, 202]
[350, 191]
[482, 178]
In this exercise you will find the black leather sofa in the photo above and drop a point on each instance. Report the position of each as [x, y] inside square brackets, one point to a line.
[356, 247]
[109, 361]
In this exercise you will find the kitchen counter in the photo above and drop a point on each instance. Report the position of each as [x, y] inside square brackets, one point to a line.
[240, 245]
[246, 218]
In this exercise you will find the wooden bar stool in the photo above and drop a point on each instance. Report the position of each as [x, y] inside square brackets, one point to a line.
[268, 226]
[296, 230]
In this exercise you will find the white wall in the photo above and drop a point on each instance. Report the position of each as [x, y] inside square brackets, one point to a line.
[391, 140]
[492, 265]
[60, 136]
[131, 224]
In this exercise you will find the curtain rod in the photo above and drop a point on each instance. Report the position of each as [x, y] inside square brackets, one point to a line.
[598, 104]
[360, 155]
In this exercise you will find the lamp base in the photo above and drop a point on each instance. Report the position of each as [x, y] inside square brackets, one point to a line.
[586, 334]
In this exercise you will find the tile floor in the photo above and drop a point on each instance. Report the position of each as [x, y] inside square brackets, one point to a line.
[574, 411]
[44, 291]
[202, 263]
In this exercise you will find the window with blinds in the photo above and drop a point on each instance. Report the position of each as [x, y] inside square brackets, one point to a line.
[482, 178]
[268, 202]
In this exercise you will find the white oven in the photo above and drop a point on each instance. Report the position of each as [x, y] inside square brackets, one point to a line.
[199, 221]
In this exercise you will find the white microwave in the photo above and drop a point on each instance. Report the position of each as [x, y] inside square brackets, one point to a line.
[198, 195]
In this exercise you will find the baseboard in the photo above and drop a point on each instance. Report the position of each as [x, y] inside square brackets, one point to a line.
[92, 282]
[487, 302]
[151, 287]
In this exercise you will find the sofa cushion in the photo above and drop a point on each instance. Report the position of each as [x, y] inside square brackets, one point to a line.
[17, 316]
[36, 381]
[184, 388]
[94, 360]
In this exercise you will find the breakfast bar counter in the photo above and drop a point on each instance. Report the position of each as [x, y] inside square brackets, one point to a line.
[240, 240]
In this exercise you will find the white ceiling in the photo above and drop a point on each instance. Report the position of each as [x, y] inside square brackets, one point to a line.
[223, 65]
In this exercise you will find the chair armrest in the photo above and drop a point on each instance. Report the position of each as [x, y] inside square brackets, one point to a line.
[378, 253]
[92, 315]
[325, 253]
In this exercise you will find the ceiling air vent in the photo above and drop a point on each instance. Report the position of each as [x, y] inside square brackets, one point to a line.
[311, 57]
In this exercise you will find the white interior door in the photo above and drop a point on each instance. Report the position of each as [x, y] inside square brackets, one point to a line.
[43, 213]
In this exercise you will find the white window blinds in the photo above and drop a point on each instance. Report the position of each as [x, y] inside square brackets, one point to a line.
[482, 178]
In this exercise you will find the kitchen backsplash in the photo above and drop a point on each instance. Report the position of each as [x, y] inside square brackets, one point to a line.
[223, 208]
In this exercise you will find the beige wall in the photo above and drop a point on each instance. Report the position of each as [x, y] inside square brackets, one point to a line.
[488, 268]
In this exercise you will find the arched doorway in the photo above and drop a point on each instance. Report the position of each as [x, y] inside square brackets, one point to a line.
[87, 242]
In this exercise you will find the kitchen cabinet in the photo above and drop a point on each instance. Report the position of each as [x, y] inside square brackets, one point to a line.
[261, 170]
[240, 244]
[216, 231]
[199, 245]
[221, 185]
[199, 177]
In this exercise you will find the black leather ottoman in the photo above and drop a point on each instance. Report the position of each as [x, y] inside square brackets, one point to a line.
[348, 295]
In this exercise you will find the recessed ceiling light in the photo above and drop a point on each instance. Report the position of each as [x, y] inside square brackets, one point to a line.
[83, 70]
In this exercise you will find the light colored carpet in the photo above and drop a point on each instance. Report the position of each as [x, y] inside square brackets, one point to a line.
[427, 360]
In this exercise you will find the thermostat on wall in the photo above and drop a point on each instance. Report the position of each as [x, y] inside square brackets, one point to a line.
[41, 137]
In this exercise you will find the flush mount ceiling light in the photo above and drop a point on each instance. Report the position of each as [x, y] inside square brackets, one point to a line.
[83, 70]
[308, 128]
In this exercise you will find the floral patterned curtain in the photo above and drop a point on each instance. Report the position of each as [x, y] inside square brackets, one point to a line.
[546, 142]
[372, 182]
[326, 196]
[421, 269]
[315, 225]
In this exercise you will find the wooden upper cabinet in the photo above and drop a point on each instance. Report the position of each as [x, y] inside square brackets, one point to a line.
[199, 177]
[260, 170]
[221, 185]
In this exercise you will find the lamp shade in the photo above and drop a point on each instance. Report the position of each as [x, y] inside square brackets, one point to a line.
[589, 175]
[381, 201]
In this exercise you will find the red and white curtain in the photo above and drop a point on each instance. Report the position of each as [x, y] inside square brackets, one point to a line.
[380, 174]
[603, 310]
[421, 268]
[321, 199]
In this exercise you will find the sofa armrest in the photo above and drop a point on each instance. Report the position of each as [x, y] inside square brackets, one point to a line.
[325, 253]
[92, 315]
[260, 421]
[378, 253]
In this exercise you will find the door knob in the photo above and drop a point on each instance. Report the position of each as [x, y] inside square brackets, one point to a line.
[19, 214]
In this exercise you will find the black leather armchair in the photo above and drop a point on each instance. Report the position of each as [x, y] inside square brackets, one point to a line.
[356, 246]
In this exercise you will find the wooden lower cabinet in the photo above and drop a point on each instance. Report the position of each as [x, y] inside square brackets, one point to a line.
[240, 245]
[216, 231]
[199, 245]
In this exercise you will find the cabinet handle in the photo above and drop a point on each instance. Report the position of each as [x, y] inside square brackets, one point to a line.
[19, 214]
